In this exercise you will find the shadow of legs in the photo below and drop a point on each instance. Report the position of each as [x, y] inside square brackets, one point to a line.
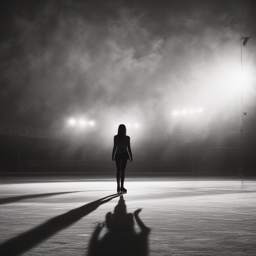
[31, 238]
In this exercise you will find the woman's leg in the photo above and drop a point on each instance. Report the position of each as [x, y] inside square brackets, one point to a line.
[118, 170]
[123, 166]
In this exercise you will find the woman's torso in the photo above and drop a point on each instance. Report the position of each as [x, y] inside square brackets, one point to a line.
[121, 144]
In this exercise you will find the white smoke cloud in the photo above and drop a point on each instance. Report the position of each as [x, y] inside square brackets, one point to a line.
[61, 63]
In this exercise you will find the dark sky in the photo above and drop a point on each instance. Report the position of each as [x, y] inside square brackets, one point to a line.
[123, 60]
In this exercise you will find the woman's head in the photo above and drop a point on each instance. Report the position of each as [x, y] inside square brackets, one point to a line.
[121, 130]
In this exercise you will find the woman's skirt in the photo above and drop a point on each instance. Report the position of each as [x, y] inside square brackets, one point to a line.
[122, 156]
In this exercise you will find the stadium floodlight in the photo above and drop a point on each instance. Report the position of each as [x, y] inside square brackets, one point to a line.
[175, 113]
[199, 110]
[82, 122]
[245, 39]
[190, 111]
[184, 111]
[72, 121]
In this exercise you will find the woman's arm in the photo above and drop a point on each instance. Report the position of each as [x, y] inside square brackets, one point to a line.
[94, 241]
[114, 149]
[129, 149]
[142, 226]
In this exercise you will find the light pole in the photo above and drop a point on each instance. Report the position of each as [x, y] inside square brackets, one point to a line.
[188, 113]
[243, 42]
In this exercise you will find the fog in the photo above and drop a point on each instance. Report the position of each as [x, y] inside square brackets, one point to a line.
[120, 62]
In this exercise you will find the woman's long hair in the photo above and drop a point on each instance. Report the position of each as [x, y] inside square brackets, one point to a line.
[121, 131]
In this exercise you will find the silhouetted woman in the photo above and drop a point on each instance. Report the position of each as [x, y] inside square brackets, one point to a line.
[121, 152]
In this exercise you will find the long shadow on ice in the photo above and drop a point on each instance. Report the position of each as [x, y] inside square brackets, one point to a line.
[13, 199]
[35, 236]
[121, 237]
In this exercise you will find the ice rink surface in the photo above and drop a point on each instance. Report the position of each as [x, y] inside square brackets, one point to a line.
[186, 216]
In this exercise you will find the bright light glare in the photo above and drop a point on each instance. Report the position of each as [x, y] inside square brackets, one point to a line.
[185, 112]
[244, 78]
[136, 125]
[82, 122]
[72, 121]
[128, 125]
[91, 123]
[176, 113]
